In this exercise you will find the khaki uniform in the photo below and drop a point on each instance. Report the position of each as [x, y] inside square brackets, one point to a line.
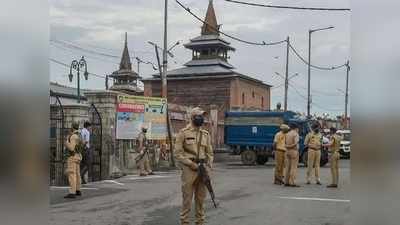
[73, 164]
[144, 163]
[280, 153]
[313, 142]
[292, 156]
[187, 153]
[334, 158]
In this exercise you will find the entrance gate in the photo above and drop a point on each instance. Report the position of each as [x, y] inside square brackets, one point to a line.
[96, 142]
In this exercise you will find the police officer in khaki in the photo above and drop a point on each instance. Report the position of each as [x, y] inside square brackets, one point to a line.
[292, 155]
[313, 141]
[143, 162]
[73, 163]
[192, 145]
[334, 146]
[280, 152]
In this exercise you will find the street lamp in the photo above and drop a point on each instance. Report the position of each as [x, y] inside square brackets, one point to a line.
[78, 65]
[309, 66]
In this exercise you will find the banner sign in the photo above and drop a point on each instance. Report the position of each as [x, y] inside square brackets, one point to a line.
[135, 111]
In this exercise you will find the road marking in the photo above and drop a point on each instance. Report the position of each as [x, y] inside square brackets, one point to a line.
[317, 199]
[83, 188]
[147, 177]
[114, 182]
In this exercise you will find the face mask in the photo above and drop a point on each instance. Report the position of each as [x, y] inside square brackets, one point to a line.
[316, 130]
[198, 120]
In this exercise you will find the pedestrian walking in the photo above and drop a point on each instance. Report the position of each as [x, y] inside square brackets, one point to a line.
[280, 152]
[193, 146]
[143, 160]
[86, 163]
[334, 146]
[73, 145]
[313, 142]
[292, 155]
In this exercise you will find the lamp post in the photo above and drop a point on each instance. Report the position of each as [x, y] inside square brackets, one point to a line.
[78, 65]
[309, 66]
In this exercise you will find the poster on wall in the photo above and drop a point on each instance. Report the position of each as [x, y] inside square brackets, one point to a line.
[135, 111]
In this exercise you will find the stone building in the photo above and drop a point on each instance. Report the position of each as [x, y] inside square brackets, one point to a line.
[210, 81]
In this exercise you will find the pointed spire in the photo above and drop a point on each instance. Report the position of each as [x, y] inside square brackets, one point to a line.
[210, 26]
[126, 59]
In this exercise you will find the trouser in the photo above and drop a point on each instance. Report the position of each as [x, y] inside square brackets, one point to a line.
[279, 165]
[191, 184]
[74, 176]
[144, 165]
[292, 160]
[313, 163]
[86, 165]
[335, 167]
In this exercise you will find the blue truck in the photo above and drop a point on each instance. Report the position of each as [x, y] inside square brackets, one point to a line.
[251, 134]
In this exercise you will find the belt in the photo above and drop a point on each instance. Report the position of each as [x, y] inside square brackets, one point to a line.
[197, 160]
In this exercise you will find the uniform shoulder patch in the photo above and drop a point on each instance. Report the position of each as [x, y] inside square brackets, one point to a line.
[204, 131]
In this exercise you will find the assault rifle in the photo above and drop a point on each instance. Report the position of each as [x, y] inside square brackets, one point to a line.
[205, 178]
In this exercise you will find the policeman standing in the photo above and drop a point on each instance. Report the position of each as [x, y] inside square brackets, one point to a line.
[292, 155]
[280, 152]
[143, 158]
[313, 141]
[193, 145]
[334, 146]
[73, 161]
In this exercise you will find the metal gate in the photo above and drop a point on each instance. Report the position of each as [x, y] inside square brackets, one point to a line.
[96, 142]
[57, 131]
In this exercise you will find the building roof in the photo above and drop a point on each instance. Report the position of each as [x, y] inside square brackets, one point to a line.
[211, 25]
[125, 66]
[65, 91]
[209, 62]
[204, 72]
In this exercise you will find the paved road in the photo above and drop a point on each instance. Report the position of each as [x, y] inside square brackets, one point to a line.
[246, 194]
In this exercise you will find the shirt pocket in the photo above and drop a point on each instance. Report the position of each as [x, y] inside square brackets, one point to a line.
[190, 141]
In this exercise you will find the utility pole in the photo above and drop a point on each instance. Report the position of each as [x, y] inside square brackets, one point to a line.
[287, 74]
[347, 94]
[165, 59]
[309, 67]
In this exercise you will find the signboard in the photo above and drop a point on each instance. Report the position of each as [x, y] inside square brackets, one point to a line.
[135, 111]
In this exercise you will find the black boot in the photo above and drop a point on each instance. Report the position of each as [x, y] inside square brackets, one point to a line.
[69, 196]
[78, 193]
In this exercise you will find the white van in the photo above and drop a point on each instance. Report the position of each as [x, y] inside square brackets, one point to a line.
[345, 144]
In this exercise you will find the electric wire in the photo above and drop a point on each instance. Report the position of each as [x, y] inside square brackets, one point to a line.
[288, 7]
[263, 43]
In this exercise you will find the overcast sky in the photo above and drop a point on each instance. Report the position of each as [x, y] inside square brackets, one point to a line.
[99, 25]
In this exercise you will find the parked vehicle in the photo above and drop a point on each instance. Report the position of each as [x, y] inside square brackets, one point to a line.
[251, 134]
[345, 144]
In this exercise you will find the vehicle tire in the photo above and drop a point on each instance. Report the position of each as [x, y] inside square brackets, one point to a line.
[261, 159]
[344, 155]
[324, 158]
[304, 158]
[249, 157]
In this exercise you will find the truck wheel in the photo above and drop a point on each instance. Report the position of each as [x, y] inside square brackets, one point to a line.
[304, 158]
[261, 160]
[248, 157]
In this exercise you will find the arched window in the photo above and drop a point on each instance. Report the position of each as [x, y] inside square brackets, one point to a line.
[254, 95]
[262, 101]
[243, 98]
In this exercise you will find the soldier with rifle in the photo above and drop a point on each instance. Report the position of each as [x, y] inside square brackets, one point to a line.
[142, 160]
[195, 156]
